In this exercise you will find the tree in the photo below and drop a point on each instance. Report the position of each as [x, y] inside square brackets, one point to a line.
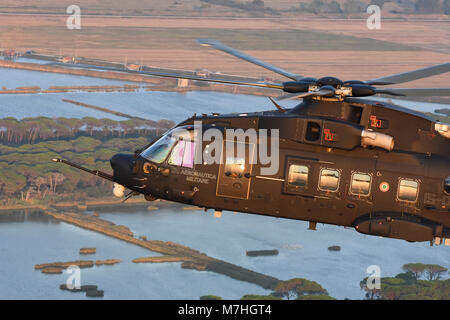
[332, 7]
[379, 3]
[259, 297]
[370, 293]
[408, 276]
[316, 297]
[297, 287]
[434, 271]
[39, 181]
[258, 3]
[428, 6]
[446, 6]
[354, 6]
[316, 6]
[416, 268]
[210, 297]
[404, 286]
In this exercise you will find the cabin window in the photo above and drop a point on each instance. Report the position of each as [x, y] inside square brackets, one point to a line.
[360, 184]
[313, 131]
[298, 175]
[234, 167]
[329, 180]
[447, 185]
[408, 190]
[183, 154]
[158, 151]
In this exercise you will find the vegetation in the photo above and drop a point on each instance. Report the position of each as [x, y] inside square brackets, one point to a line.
[358, 6]
[294, 289]
[334, 248]
[27, 173]
[259, 297]
[252, 5]
[300, 289]
[33, 130]
[410, 285]
[210, 297]
[215, 7]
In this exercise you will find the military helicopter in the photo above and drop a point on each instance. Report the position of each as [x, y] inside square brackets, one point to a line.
[343, 159]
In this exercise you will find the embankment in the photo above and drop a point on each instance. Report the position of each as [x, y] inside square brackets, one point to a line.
[190, 258]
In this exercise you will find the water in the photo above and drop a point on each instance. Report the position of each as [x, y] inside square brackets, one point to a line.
[152, 105]
[35, 241]
[13, 78]
[148, 105]
[303, 253]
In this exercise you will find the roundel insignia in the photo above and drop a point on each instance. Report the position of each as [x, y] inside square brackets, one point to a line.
[384, 187]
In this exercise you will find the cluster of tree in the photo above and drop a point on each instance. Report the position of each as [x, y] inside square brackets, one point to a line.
[432, 6]
[429, 271]
[326, 6]
[28, 174]
[294, 289]
[251, 5]
[359, 6]
[418, 282]
[33, 130]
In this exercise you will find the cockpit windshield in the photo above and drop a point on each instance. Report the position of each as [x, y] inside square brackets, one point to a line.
[159, 150]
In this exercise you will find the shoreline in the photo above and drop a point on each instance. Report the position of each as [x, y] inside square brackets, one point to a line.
[159, 83]
[171, 251]
[91, 205]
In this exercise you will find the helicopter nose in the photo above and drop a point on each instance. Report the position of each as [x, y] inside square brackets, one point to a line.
[122, 165]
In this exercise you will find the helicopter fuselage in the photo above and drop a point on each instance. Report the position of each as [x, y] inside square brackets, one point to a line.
[337, 164]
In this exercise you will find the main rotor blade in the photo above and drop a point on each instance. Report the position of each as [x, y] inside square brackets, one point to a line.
[420, 92]
[411, 75]
[220, 46]
[174, 75]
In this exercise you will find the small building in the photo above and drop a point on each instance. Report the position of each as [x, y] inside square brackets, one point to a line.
[202, 73]
[183, 83]
[135, 67]
[68, 59]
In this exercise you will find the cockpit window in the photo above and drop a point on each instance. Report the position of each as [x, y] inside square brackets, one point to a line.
[447, 185]
[183, 154]
[176, 157]
[158, 151]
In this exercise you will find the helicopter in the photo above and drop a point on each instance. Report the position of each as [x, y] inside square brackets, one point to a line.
[341, 158]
